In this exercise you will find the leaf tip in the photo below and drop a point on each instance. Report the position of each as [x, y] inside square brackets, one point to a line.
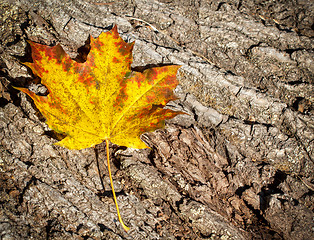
[114, 28]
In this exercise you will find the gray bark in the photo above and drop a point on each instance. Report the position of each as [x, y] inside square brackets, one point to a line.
[239, 165]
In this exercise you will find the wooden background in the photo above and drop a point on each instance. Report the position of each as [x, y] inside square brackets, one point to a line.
[239, 166]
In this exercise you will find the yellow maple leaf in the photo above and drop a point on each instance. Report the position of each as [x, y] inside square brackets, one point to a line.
[101, 99]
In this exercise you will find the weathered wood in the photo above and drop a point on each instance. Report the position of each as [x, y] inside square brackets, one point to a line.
[238, 166]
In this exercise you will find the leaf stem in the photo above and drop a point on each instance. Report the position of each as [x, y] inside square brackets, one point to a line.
[112, 188]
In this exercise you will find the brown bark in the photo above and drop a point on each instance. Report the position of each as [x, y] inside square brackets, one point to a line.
[238, 166]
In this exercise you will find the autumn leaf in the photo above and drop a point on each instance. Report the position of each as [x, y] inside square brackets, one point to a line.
[101, 99]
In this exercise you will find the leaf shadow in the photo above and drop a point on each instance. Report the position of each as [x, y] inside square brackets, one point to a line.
[83, 51]
[104, 192]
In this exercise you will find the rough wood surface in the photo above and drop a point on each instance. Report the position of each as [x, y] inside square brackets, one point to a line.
[239, 166]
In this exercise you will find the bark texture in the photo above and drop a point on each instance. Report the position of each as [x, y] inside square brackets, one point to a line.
[238, 166]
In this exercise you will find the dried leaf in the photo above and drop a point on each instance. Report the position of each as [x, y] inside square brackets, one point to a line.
[101, 99]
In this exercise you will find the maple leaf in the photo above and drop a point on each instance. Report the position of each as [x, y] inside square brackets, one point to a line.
[101, 99]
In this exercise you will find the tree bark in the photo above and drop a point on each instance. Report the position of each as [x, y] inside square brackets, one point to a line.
[239, 165]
